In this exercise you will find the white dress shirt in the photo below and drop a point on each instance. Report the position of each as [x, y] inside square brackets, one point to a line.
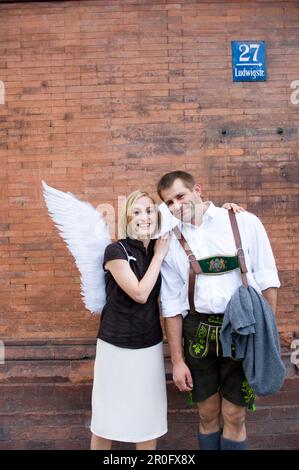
[215, 237]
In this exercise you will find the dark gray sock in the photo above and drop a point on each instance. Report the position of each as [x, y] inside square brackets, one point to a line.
[209, 441]
[227, 444]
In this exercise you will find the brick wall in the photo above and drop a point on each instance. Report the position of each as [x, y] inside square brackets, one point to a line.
[101, 97]
[46, 393]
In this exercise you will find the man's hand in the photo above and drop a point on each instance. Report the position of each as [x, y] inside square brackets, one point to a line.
[182, 377]
[235, 207]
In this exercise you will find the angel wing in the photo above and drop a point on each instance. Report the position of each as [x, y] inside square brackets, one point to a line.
[86, 235]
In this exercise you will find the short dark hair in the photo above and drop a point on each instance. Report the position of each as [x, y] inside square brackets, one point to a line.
[168, 179]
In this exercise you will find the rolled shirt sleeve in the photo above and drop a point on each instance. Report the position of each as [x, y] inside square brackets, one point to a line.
[174, 300]
[261, 256]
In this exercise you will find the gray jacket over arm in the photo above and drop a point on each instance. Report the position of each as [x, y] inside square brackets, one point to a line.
[249, 324]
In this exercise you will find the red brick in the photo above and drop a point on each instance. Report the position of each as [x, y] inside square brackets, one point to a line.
[129, 91]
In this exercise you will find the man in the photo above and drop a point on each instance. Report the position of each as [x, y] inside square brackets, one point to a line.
[217, 384]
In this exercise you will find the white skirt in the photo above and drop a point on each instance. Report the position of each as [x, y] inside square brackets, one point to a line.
[129, 401]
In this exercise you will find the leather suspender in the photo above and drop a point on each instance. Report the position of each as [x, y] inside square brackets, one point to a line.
[195, 267]
[240, 252]
[193, 261]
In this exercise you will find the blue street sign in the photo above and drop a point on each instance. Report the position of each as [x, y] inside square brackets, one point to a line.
[249, 61]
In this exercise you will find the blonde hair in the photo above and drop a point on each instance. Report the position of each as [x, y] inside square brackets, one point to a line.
[126, 216]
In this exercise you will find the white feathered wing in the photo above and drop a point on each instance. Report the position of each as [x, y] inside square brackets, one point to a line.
[86, 235]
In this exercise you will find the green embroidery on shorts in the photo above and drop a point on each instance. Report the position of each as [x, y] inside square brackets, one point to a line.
[190, 400]
[213, 334]
[215, 319]
[252, 407]
[199, 347]
[249, 395]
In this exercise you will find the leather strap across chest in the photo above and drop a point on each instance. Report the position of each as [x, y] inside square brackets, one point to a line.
[194, 266]
[240, 252]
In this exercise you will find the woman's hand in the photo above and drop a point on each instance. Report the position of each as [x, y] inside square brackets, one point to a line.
[235, 207]
[162, 245]
[139, 290]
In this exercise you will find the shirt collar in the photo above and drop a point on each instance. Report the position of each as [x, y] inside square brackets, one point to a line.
[134, 242]
[137, 243]
[209, 214]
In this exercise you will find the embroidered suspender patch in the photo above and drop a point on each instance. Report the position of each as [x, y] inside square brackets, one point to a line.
[218, 264]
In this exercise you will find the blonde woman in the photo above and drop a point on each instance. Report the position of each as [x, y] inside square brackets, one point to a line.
[129, 392]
